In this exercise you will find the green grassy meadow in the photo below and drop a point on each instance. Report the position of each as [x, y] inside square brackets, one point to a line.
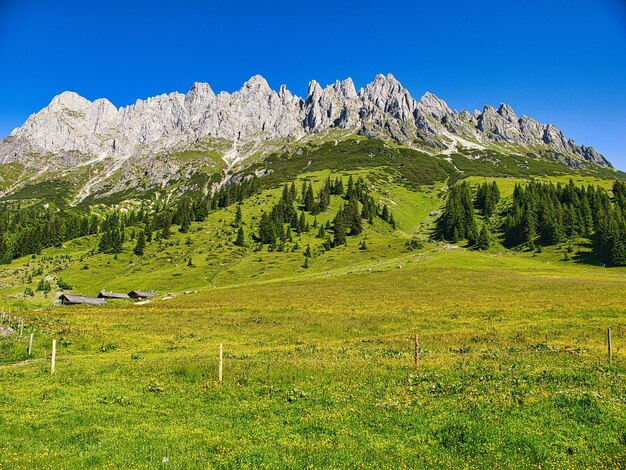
[319, 372]
[319, 365]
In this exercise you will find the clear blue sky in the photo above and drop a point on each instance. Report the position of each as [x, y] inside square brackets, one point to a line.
[560, 61]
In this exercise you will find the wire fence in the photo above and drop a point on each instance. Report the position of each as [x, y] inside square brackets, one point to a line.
[309, 356]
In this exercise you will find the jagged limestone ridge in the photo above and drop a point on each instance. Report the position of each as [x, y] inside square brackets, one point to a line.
[73, 127]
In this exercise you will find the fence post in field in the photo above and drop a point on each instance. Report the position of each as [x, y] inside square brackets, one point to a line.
[30, 344]
[219, 372]
[21, 327]
[417, 352]
[54, 355]
[608, 338]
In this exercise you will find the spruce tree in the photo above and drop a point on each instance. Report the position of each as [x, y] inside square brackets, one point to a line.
[141, 244]
[339, 229]
[166, 226]
[350, 192]
[484, 239]
[183, 215]
[240, 241]
[266, 229]
[392, 221]
[309, 200]
[238, 216]
[321, 233]
[385, 213]
[302, 223]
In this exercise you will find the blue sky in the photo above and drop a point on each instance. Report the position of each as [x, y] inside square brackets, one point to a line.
[558, 61]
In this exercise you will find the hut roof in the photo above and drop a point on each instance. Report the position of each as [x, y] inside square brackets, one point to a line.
[70, 299]
[112, 295]
[137, 294]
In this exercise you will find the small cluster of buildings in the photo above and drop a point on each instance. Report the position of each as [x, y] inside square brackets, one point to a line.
[70, 299]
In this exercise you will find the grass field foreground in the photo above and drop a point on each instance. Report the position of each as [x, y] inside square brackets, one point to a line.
[319, 372]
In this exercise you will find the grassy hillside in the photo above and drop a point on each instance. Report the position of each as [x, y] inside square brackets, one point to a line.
[319, 372]
[215, 261]
[319, 361]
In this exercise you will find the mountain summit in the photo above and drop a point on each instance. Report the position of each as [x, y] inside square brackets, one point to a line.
[73, 131]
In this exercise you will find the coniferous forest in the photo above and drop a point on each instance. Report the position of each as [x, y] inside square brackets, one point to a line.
[27, 231]
[539, 214]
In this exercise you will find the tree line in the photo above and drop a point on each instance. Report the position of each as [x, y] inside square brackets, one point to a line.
[25, 231]
[29, 230]
[540, 214]
[289, 214]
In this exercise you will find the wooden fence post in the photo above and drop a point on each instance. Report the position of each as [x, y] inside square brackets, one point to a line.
[219, 373]
[608, 338]
[54, 355]
[21, 327]
[30, 344]
[417, 352]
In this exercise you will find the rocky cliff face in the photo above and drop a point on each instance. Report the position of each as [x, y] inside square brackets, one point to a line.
[73, 131]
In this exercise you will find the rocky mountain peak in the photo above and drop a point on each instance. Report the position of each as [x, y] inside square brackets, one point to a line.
[345, 88]
[434, 106]
[387, 95]
[314, 90]
[507, 112]
[201, 89]
[256, 84]
[68, 100]
[94, 131]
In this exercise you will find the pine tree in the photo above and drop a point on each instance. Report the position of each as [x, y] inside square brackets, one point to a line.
[240, 241]
[337, 188]
[457, 220]
[528, 226]
[324, 196]
[339, 229]
[104, 246]
[385, 213]
[471, 232]
[286, 194]
[166, 226]
[352, 216]
[321, 233]
[266, 230]
[309, 200]
[392, 221]
[302, 223]
[618, 252]
[484, 239]
[327, 243]
[350, 191]
[305, 187]
[238, 215]
[141, 244]
[183, 215]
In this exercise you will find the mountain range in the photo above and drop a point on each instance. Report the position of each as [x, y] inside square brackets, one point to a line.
[168, 138]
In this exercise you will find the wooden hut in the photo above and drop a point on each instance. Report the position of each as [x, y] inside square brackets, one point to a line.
[69, 299]
[112, 295]
[140, 295]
